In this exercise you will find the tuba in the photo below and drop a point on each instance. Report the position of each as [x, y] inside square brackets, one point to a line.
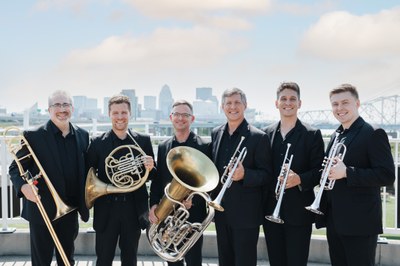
[338, 150]
[226, 177]
[127, 173]
[280, 187]
[15, 142]
[193, 174]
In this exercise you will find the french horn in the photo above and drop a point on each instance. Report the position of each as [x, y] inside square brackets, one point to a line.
[126, 173]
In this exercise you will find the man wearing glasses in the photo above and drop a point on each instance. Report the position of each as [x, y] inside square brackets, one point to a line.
[181, 118]
[60, 148]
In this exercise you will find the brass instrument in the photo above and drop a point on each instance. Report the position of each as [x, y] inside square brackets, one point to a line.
[14, 143]
[226, 177]
[338, 150]
[126, 173]
[193, 174]
[280, 187]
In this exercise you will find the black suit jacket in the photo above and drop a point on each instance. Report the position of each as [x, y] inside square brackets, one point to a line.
[307, 147]
[163, 176]
[355, 201]
[99, 149]
[243, 199]
[43, 144]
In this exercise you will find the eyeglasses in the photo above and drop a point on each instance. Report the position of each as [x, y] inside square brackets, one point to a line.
[63, 105]
[183, 115]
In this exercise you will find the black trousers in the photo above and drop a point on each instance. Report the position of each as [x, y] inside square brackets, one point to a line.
[122, 228]
[193, 257]
[237, 247]
[42, 244]
[287, 245]
[350, 250]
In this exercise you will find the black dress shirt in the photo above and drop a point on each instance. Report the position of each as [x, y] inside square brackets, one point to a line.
[67, 150]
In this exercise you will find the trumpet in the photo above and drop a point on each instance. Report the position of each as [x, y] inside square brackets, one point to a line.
[280, 187]
[338, 150]
[14, 144]
[126, 173]
[193, 174]
[226, 177]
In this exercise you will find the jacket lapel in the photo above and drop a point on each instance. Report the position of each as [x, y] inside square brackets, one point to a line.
[272, 131]
[218, 138]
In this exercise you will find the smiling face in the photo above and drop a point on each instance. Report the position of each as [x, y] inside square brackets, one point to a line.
[119, 114]
[288, 103]
[234, 108]
[60, 110]
[181, 117]
[345, 108]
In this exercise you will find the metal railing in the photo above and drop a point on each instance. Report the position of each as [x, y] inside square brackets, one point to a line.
[11, 206]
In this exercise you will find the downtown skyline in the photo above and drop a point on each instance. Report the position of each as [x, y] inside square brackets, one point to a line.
[98, 48]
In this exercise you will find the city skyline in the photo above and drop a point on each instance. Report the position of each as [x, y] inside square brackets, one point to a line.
[98, 48]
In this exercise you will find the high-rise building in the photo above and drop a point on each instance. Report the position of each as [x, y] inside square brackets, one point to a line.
[165, 102]
[205, 104]
[134, 102]
[85, 107]
[150, 102]
[105, 105]
[203, 93]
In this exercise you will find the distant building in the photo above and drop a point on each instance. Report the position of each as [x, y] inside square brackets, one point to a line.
[134, 102]
[201, 107]
[150, 102]
[165, 102]
[205, 106]
[85, 107]
[105, 105]
[203, 93]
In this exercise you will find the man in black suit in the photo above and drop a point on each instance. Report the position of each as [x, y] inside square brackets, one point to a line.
[353, 208]
[288, 243]
[119, 217]
[60, 148]
[238, 226]
[181, 117]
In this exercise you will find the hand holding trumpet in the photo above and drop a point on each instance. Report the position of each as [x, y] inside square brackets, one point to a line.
[293, 180]
[238, 173]
[338, 170]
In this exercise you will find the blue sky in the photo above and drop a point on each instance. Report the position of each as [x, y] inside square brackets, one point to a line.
[99, 47]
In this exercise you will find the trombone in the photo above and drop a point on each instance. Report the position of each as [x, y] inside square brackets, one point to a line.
[280, 187]
[14, 144]
[329, 161]
[226, 177]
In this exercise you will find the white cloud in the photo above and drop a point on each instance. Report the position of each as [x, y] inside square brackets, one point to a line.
[164, 48]
[75, 5]
[341, 35]
[304, 9]
[228, 14]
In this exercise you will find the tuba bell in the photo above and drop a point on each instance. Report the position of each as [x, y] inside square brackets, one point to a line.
[193, 174]
[126, 173]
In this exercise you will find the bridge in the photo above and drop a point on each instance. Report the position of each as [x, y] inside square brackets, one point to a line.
[381, 111]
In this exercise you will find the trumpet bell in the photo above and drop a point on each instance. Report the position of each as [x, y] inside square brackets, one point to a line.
[274, 219]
